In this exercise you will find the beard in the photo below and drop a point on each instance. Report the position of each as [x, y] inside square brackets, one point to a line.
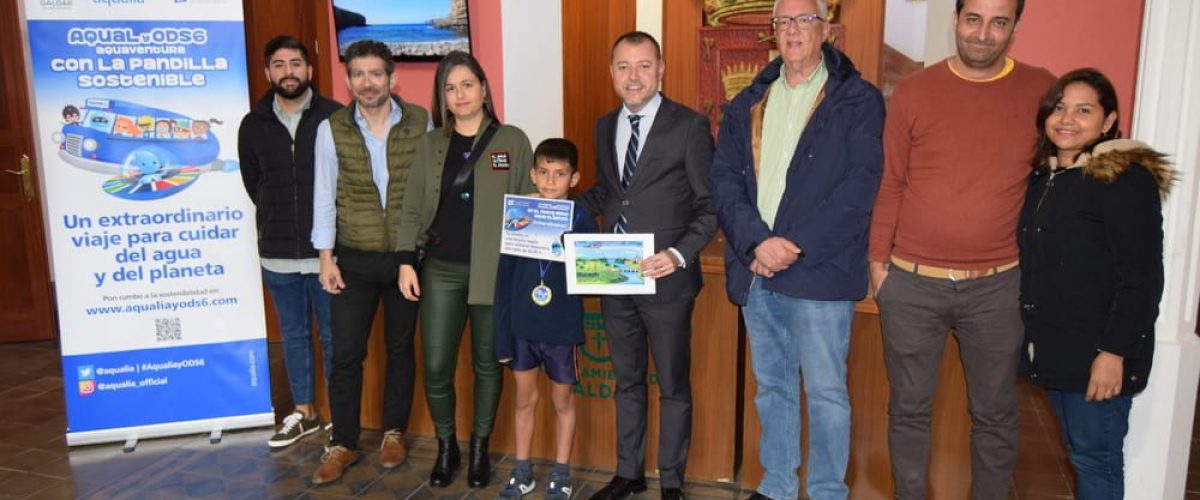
[282, 91]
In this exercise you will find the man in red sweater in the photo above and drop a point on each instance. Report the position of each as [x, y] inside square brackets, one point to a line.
[958, 145]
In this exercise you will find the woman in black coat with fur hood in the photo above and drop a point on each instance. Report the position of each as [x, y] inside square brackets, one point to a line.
[1091, 237]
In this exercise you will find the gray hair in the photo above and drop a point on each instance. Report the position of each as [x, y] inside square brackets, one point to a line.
[822, 8]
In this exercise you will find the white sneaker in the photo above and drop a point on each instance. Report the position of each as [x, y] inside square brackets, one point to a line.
[293, 427]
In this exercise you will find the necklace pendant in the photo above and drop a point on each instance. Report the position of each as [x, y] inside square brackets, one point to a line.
[542, 295]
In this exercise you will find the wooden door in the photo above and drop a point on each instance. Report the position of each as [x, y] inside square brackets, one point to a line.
[307, 20]
[25, 311]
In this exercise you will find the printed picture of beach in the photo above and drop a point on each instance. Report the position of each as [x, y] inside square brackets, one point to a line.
[420, 30]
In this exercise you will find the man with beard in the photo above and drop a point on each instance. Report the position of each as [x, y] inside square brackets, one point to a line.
[958, 144]
[363, 155]
[275, 146]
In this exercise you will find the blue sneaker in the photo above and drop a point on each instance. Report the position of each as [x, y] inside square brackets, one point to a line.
[558, 487]
[517, 487]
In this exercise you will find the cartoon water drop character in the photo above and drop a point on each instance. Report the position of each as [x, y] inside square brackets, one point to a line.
[146, 167]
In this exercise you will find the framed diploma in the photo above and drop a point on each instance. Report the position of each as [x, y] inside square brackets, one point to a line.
[608, 264]
[533, 227]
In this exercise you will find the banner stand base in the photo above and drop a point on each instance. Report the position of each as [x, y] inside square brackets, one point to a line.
[214, 427]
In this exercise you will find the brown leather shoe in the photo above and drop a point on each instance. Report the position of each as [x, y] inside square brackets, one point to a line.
[334, 462]
[392, 451]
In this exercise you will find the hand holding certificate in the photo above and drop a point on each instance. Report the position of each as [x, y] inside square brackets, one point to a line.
[533, 227]
[608, 264]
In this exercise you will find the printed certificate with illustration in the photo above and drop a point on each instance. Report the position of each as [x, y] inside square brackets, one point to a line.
[608, 264]
[533, 227]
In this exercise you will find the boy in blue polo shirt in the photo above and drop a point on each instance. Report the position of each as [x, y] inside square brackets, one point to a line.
[538, 325]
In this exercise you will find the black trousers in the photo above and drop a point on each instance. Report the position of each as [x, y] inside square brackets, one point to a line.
[370, 278]
[634, 324]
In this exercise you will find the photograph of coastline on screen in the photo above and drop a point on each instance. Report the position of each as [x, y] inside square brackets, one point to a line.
[608, 264]
[414, 30]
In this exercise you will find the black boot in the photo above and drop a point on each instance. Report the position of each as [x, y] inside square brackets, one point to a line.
[446, 464]
[479, 467]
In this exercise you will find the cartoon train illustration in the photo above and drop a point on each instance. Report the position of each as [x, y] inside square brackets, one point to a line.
[151, 153]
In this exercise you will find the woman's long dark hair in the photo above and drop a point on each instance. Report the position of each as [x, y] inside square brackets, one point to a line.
[441, 114]
[1091, 77]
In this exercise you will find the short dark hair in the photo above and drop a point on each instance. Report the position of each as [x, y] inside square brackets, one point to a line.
[441, 114]
[284, 42]
[958, 7]
[369, 48]
[558, 149]
[1091, 77]
[636, 38]
[70, 109]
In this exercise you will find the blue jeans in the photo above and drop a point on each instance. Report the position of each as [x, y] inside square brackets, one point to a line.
[789, 337]
[297, 297]
[1095, 436]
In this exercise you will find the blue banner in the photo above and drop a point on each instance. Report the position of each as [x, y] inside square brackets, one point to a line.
[155, 386]
[160, 304]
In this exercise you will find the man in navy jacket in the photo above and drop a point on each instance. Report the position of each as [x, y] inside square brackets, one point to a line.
[797, 166]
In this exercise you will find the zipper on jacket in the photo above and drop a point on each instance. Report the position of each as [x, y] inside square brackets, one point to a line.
[1046, 191]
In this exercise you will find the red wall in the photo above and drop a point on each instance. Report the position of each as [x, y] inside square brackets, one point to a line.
[1062, 35]
[414, 81]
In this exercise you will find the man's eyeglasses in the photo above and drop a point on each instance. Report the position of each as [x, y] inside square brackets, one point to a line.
[802, 22]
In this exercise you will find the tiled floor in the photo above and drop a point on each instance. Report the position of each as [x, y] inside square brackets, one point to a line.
[35, 461]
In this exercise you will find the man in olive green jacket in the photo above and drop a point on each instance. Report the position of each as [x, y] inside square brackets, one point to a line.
[363, 155]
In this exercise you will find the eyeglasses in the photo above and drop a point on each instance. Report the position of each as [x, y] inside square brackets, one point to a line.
[802, 22]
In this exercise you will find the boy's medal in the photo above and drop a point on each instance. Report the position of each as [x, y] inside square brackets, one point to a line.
[541, 294]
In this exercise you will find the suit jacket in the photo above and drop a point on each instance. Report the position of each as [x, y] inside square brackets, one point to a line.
[669, 194]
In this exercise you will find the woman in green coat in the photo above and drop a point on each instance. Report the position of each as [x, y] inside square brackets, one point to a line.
[452, 213]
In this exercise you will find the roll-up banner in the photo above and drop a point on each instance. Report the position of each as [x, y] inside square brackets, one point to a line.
[159, 291]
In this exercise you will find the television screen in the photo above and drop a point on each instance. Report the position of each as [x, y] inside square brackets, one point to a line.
[415, 30]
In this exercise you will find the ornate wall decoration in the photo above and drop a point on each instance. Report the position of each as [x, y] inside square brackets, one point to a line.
[741, 12]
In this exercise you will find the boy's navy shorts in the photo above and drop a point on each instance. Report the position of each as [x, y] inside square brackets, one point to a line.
[559, 360]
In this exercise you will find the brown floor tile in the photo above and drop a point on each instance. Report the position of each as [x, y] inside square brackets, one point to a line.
[356, 478]
[397, 483]
[24, 484]
[28, 460]
[34, 459]
[57, 491]
[29, 435]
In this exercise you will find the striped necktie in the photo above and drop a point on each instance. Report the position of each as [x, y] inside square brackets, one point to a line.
[631, 154]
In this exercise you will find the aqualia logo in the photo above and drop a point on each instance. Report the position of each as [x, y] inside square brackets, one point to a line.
[111, 3]
[55, 4]
[87, 379]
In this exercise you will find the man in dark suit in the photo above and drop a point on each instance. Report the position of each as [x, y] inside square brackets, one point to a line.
[652, 166]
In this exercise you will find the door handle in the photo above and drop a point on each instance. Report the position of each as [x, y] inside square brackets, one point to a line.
[26, 179]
